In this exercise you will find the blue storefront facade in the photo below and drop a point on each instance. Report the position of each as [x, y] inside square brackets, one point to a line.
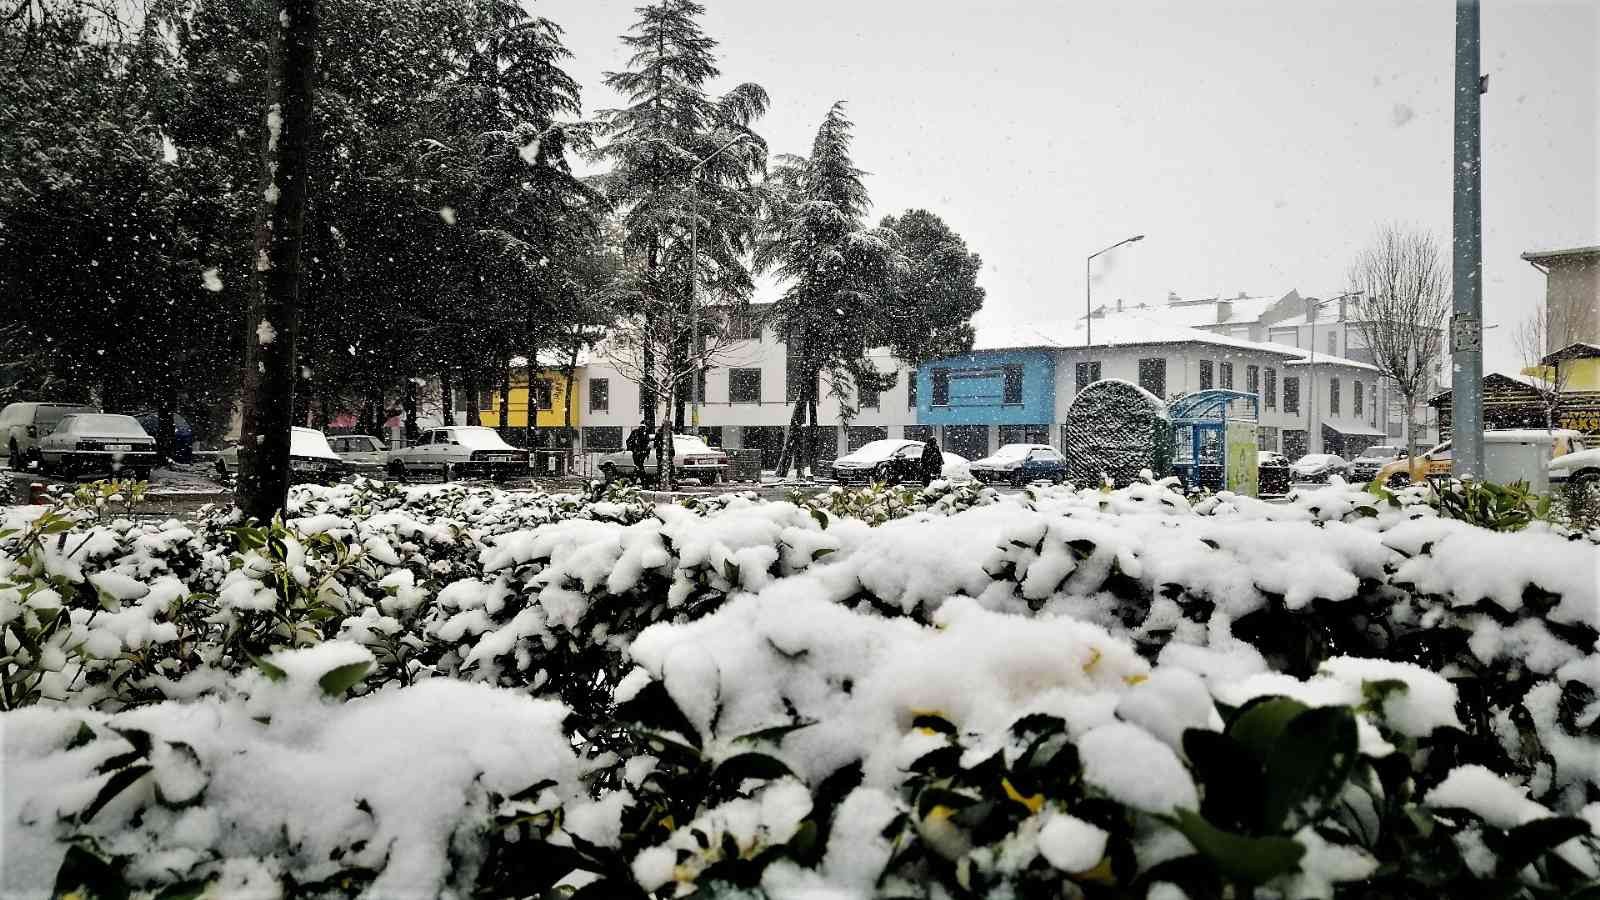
[1007, 393]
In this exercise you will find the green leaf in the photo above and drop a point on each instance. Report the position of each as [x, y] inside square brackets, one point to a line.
[736, 769]
[86, 874]
[934, 723]
[1254, 860]
[1259, 723]
[272, 672]
[184, 890]
[82, 736]
[821, 517]
[1310, 761]
[820, 552]
[1525, 843]
[113, 786]
[336, 681]
[775, 734]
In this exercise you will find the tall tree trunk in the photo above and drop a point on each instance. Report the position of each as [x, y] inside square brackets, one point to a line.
[567, 430]
[1411, 436]
[791, 442]
[505, 398]
[274, 320]
[410, 405]
[166, 427]
[530, 427]
[446, 389]
[647, 385]
[473, 383]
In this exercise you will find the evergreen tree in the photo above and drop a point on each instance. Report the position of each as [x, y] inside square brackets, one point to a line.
[658, 184]
[840, 274]
[935, 296]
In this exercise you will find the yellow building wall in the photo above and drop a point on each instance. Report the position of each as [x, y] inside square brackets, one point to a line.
[517, 405]
[1581, 375]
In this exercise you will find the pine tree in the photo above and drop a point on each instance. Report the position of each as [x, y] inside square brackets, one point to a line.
[654, 145]
[839, 274]
[935, 296]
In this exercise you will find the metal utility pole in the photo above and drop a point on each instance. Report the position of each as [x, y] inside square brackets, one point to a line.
[1466, 325]
[698, 369]
[1088, 288]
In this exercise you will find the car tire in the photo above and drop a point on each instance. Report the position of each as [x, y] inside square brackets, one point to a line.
[448, 472]
[141, 474]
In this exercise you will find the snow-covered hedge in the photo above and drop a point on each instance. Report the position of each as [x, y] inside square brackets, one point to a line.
[910, 693]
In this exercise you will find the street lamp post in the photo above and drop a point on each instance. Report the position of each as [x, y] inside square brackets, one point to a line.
[1088, 288]
[1313, 433]
[697, 371]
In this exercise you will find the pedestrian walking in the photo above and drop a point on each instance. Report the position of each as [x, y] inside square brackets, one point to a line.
[639, 445]
[932, 461]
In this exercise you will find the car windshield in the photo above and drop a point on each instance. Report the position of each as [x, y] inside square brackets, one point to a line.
[1316, 459]
[104, 424]
[1381, 452]
[877, 451]
[309, 442]
[478, 438]
[46, 417]
[1012, 452]
[688, 443]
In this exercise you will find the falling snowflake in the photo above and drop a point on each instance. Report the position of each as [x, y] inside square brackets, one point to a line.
[530, 152]
[265, 333]
[448, 214]
[211, 279]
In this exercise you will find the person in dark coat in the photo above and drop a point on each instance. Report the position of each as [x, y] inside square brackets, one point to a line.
[932, 462]
[639, 445]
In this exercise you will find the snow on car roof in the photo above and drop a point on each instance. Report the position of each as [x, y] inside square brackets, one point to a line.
[880, 449]
[478, 437]
[310, 442]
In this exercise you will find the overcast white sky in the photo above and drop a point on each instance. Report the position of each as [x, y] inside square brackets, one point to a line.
[1258, 143]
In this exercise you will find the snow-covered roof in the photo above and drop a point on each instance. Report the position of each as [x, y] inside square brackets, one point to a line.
[1324, 359]
[1122, 330]
[1543, 255]
[553, 359]
[1242, 310]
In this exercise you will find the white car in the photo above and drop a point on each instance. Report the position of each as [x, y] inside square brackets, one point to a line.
[1318, 467]
[1580, 467]
[100, 443]
[1020, 464]
[459, 450]
[310, 458]
[360, 451]
[889, 461]
[22, 425]
[691, 458]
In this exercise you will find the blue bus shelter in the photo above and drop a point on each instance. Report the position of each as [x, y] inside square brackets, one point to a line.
[1214, 433]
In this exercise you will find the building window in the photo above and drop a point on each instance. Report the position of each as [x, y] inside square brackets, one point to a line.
[602, 437]
[1205, 375]
[1153, 376]
[923, 433]
[1372, 412]
[1024, 434]
[1225, 375]
[543, 394]
[599, 395]
[700, 384]
[1356, 400]
[1252, 379]
[941, 387]
[1333, 343]
[1295, 440]
[1013, 385]
[743, 326]
[486, 399]
[1291, 394]
[1271, 391]
[744, 385]
[1088, 373]
[867, 395]
[911, 389]
[1266, 438]
[859, 436]
[1333, 396]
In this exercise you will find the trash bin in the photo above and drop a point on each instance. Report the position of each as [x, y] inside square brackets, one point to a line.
[551, 462]
[744, 465]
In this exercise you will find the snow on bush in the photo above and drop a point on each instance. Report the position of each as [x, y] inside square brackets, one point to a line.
[910, 692]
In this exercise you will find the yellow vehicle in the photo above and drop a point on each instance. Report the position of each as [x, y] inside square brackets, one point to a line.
[1502, 460]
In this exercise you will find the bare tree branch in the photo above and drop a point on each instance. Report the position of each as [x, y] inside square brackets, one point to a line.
[1402, 283]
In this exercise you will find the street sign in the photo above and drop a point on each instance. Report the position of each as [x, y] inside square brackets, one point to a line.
[1466, 334]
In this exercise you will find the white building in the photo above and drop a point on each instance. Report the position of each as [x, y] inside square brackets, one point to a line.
[1334, 330]
[747, 405]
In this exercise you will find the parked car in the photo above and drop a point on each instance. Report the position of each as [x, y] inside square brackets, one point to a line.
[1580, 468]
[956, 467]
[1272, 473]
[23, 424]
[310, 458]
[360, 451]
[1020, 464]
[1365, 467]
[691, 458]
[459, 450]
[890, 461]
[1510, 454]
[98, 443]
[182, 434]
[1319, 467]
